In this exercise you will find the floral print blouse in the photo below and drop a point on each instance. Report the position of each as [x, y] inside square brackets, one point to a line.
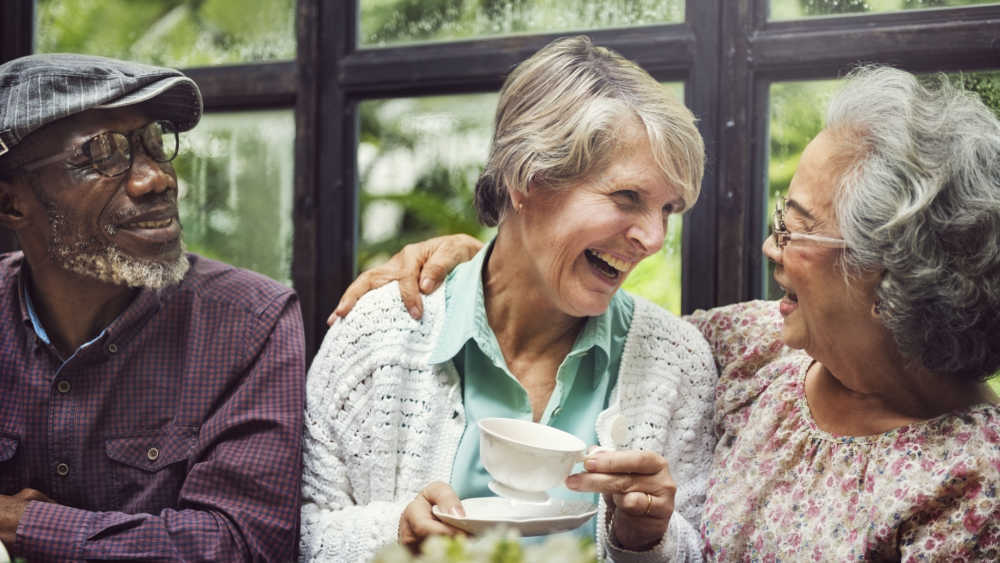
[781, 489]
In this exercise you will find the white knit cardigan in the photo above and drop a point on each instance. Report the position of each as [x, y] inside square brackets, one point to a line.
[381, 423]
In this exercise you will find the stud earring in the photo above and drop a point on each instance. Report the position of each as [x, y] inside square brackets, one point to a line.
[877, 307]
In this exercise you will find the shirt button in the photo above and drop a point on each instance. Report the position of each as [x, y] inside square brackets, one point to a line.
[556, 411]
[63, 386]
[152, 454]
[62, 470]
[112, 348]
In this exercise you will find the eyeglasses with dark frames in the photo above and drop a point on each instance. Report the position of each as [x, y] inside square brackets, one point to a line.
[782, 236]
[112, 153]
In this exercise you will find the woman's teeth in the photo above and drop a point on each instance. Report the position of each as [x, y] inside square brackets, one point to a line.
[616, 263]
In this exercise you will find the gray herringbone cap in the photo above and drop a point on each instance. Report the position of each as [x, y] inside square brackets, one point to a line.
[39, 89]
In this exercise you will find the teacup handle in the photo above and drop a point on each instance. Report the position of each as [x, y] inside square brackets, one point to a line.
[619, 429]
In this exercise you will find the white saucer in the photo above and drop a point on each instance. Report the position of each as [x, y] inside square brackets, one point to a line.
[530, 519]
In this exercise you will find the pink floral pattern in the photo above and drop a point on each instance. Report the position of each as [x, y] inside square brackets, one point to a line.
[781, 489]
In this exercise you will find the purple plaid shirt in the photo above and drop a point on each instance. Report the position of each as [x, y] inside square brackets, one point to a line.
[174, 435]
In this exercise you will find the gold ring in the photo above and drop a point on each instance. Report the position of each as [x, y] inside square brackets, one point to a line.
[649, 504]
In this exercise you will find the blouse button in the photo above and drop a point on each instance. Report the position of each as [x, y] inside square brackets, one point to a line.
[152, 454]
[63, 386]
[62, 470]
[112, 348]
[556, 411]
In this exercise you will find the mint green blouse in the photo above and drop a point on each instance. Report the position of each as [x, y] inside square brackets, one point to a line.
[584, 380]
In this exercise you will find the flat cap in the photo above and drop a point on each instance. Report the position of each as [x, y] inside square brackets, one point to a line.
[39, 89]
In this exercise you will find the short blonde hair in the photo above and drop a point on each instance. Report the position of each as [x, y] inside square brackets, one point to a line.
[559, 117]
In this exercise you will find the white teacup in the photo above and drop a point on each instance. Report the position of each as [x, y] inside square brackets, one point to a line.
[525, 458]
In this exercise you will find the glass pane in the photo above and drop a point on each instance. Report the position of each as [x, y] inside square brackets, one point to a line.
[387, 22]
[178, 33]
[418, 161]
[793, 9]
[658, 278]
[236, 177]
[796, 116]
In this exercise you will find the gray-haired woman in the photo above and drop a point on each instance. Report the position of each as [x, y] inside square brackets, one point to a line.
[853, 418]
[589, 159]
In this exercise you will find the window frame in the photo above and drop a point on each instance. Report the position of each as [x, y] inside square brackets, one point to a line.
[721, 43]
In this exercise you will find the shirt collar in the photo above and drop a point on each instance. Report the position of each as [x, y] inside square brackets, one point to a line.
[465, 319]
[138, 311]
[29, 307]
[465, 309]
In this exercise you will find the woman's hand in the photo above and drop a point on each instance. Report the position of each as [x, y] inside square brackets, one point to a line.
[417, 521]
[428, 261]
[638, 489]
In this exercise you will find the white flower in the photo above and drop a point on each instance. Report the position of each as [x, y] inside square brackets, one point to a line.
[499, 545]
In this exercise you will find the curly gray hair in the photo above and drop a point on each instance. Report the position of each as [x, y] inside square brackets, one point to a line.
[559, 117]
[920, 201]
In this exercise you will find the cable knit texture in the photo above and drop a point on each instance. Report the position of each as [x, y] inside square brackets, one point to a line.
[381, 423]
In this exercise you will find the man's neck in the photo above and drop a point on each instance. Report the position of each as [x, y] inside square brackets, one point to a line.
[72, 308]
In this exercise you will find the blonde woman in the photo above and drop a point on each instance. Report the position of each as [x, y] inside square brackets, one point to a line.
[590, 158]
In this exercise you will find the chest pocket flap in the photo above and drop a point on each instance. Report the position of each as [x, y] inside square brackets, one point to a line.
[154, 451]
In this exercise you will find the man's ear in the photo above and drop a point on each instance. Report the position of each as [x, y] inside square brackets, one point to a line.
[12, 205]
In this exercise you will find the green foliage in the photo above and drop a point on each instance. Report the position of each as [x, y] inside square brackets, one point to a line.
[789, 9]
[418, 162]
[236, 184]
[179, 33]
[658, 278]
[986, 85]
[831, 7]
[386, 22]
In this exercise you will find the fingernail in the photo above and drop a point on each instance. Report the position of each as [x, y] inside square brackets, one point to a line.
[572, 482]
[414, 312]
[590, 464]
[425, 285]
[456, 511]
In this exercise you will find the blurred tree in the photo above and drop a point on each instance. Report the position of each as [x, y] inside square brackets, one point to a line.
[986, 85]
[831, 7]
[178, 33]
[386, 22]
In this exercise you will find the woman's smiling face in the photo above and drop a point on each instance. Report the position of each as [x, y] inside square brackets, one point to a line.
[820, 308]
[583, 239]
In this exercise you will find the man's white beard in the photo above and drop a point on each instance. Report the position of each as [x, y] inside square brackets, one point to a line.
[114, 266]
[95, 259]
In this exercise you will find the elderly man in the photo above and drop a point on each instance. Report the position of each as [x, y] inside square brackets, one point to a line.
[150, 400]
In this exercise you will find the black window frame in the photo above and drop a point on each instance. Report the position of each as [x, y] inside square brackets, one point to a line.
[726, 52]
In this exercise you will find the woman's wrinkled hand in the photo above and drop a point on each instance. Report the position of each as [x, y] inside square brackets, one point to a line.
[638, 489]
[428, 261]
[418, 522]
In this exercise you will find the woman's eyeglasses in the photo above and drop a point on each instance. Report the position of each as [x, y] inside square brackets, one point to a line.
[782, 236]
[112, 153]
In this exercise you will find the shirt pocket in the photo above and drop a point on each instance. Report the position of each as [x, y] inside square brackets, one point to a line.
[9, 471]
[149, 470]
